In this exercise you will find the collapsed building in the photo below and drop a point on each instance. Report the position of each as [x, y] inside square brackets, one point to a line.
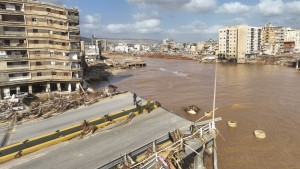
[39, 48]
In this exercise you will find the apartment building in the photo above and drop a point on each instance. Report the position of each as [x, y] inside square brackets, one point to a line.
[39, 47]
[273, 38]
[239, 42]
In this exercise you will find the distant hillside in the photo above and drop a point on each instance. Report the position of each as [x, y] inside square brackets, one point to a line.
[87, 40]
[127, 41]
[133, 41]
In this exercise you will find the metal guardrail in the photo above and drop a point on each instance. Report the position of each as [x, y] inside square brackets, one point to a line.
[153, 159]
[135, 153]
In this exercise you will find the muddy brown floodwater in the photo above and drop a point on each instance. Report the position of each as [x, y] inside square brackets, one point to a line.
[256, 96]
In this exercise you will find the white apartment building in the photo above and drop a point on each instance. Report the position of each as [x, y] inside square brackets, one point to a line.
[239, 42]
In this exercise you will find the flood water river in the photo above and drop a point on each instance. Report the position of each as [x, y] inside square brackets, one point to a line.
[256, 96]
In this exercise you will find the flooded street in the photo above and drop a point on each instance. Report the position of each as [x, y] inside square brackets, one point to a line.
[256, 96]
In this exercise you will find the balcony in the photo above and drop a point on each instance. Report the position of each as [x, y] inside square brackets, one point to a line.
[13, 57]
[56, 36]
[73, 18]
[47, 35]
[5, 11]
[75, 37]
[20, 78]
[23, 67]
[29, 23]
[57, 26]
[52, 67]
[15, 46]
[12, 22]
[46, 13]
[13, 33]
[49, 46]
[52, 77]
[74, 29]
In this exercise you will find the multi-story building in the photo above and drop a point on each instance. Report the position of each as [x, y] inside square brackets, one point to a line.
[239, 42]
[273, 38]
[39, 47]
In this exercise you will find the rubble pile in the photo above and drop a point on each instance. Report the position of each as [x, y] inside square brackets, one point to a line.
[97, 73]
[8, 108]
[51, 105]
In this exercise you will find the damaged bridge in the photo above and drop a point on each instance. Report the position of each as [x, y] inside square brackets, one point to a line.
[147, 140]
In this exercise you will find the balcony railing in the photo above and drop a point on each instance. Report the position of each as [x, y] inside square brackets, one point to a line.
[19, 78]
[13, 57]
[60, 67]
[46, 14]
[74, 28]
[37, 24]
[46, 35]
[13, 21]
[13, 33]
[50, 77]
[17, 66]
[13, 45]
[48, 46]
[57, 26]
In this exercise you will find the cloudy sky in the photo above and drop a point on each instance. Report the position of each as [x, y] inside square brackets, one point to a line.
[182, 20]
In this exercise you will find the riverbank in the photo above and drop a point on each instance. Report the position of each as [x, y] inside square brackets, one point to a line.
[282, 60]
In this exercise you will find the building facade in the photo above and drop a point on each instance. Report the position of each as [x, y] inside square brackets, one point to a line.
[275, 39]
[239, 42]
[39, 47]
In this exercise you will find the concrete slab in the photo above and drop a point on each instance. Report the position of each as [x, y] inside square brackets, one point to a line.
[40, 127]
[105, 145]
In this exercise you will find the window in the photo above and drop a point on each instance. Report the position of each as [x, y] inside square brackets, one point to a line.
[33, 19]
[38, 63]
[51, 42]
[35, 31]
[48, 10]
[39, 74]
[54, 73]
[61, 12]
[36, 41]
[61, 23]
[18, 8]
[66, 74]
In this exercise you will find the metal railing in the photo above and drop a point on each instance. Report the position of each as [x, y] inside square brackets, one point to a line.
[154, 158]
[13, 56]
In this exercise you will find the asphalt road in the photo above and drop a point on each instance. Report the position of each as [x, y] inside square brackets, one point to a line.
[72, 117]
[104, 146]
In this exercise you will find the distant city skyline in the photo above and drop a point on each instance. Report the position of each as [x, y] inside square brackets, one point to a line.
[181, 20]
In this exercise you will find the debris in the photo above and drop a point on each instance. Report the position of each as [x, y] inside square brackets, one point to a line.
[46, 106]
[259, 134]
[191, 109]
[232, 123]
[208, 114]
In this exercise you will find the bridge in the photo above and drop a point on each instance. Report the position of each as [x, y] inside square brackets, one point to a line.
[110, 144]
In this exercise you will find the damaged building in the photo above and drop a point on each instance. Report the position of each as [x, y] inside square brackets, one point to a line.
[39, 47]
